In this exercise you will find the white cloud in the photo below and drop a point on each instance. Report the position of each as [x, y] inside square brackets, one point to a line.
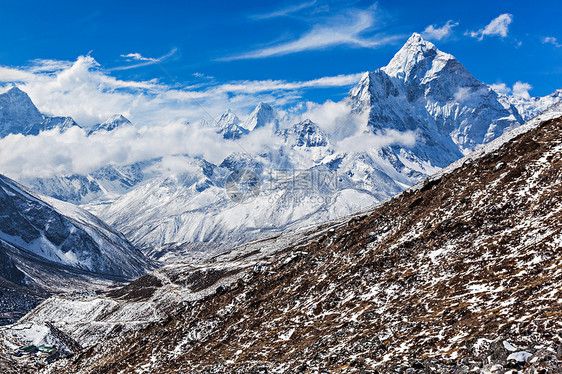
[137, 57]
[381, 139]
[499, 26]
[438, 33]
[52, 153]
[522, 89]
[47, 66]
[82, 90]
[551, 40]
[347, 130]
[462, 94]
[501, 88]
[200, 75]
[347, 29]
[335, 118]
[272, 85]
[466, 94]
[73, 151]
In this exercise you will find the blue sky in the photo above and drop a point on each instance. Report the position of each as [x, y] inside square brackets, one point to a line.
[195, 45]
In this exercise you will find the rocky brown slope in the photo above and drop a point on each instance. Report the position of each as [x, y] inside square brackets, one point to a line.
[462, 273]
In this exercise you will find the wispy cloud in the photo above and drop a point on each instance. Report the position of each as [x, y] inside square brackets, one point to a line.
[551, 40]
[350, 29]
[284, 11]
[437, 33]
[144, 61]
[499, 26]
[275, 85]
[46, 65]
[138, 57]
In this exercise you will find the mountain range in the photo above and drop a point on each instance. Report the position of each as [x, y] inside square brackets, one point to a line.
[18, 115]
[421, 235]
[423, 92]
[309, 174]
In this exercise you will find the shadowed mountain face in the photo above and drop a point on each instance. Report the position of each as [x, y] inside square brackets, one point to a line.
[462, 271]
[426, 90]
[49, 246]
[18, 115]
[64, 234]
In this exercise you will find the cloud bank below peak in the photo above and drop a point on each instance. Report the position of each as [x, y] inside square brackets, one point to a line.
[74, 151]
[85, 91]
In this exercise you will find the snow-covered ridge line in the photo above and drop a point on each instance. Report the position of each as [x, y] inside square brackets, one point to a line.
[550, 113]
[66, 234]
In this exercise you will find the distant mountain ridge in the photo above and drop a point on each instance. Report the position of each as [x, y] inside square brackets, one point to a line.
[230, 126]
[63, 233]
[18, 115]
[305, 134]
[111, 123]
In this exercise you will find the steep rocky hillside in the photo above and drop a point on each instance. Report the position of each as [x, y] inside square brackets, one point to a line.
[461, 273]
[48, 246]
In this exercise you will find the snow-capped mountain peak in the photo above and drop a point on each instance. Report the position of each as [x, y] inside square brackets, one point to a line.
[16, 108]
[18, 115]
[305, 134]
[428, 91]
[263, 115]
[15, 91]
[112, 123]
[228, 118]
[416, 59]
[229, 125]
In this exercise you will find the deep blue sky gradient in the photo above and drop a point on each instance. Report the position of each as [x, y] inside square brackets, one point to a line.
[204, 31]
